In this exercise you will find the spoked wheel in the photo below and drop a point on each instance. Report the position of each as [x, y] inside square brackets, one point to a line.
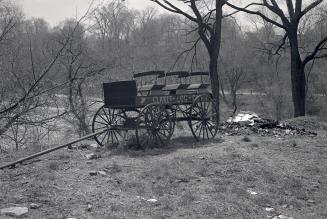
[203, 118]
[114, 120]
[154, 126]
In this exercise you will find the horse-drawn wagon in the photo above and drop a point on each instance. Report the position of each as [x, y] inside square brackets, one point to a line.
[152, 110]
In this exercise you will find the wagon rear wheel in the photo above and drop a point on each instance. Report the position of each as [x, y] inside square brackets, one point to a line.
[203, 118]
[154, 126]
[109, 118]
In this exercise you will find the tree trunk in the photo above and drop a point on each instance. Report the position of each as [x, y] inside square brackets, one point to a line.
[297, 77]
[75, 107]
[213, 69]
[214, 49]
[83, 111]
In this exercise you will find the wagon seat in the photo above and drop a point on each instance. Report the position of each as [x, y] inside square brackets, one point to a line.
[202, 85]
[147, 83]
[170, 79]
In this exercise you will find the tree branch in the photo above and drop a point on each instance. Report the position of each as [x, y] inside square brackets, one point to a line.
[174, 9]
[310, 7]
[281, 45]
[256, 13]
[314, 53]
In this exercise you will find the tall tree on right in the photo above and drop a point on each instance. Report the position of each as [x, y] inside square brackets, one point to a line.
[290, 14]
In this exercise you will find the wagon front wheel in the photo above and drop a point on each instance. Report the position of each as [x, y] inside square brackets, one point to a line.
[111, 119]
[203, 118]
[154, 126]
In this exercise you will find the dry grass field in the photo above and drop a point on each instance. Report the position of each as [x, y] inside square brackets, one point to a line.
[229, 177]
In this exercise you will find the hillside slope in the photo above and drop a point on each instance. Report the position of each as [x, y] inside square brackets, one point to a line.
[232, 177]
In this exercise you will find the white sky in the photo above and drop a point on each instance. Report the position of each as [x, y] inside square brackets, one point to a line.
[55, 11]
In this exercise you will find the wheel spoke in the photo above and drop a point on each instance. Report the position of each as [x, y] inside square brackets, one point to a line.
[115, 135]
[202, 131]
[106, 133]
[98, 128]
[106, 115]
[114, 116]
[104, 119]
[197, 122]
[200, 126]
[206, 129]
[119, 133]
[163, 135]
[197, 128]
[212, 134]
[162, 142]
[108, 139]
[112, 137]
[105, 124]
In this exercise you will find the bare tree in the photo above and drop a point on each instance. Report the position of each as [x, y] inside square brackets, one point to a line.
[289, 21]
[27, 70]
[208, 26]
[231, 80]
[113, 26]
[78, 67]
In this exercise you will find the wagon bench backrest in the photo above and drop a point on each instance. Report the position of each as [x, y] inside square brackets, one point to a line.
[203, 75]
[178, 75]
[121, 93]
[149, 77]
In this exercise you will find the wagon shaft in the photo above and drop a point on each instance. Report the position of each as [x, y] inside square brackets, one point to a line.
[20, 161]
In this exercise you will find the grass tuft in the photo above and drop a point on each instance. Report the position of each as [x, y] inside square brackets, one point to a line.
[187, 198]
[53, 165]
[246, 139]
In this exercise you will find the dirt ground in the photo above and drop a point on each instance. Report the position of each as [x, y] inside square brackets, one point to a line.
[229, 177]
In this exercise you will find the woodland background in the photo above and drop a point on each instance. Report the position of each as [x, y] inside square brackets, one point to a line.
[52, 76]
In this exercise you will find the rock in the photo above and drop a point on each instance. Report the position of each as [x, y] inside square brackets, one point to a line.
[103, 173]
[91, 156]
[252, 192]
[269, 209]
[94, 145]
[34, 206]
[246, 117]
[182, 180]
[152, 200]
[311, 201]
[285, 217]
[89, 207]
[282, 217]
[93, 173]
[14, 211]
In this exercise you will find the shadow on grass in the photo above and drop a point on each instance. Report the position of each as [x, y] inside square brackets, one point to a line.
[182, 142]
